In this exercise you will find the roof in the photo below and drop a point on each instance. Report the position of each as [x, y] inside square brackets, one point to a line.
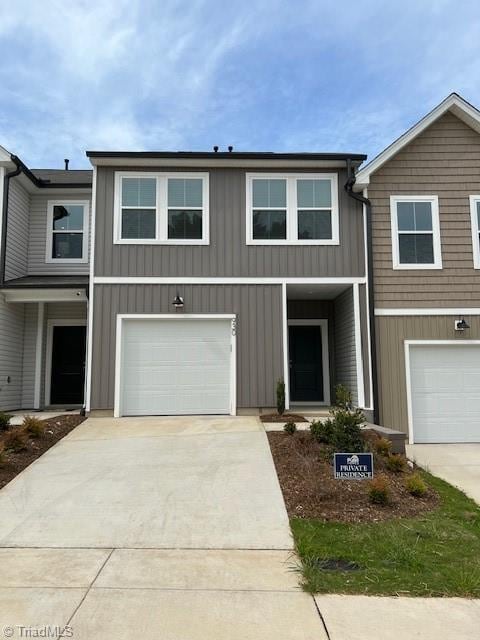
[453, 103]
[47, 282]
[61, 176]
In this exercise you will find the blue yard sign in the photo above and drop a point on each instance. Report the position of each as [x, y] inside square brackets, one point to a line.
[353, 466]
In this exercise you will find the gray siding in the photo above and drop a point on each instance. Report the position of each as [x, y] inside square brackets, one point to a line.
[227, 254]
[38, 237]
[18, 230]
[11, 352]
[345, 361]
[29, 354]
[259, 332]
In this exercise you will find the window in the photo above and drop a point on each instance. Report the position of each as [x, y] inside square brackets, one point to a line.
[292, 209]
[67, 231]
[160, 208]
[415, 232]
[475, 214]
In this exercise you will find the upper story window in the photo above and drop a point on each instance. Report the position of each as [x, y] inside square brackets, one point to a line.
[292, 209]
[415, 232]
[160, 208]
[67, 231]
[475, 215]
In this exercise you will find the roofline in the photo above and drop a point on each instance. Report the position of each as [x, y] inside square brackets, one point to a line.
[453, 102]
[46, 184]
[226, 155]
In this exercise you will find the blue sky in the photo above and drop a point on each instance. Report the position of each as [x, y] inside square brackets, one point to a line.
[259, 74]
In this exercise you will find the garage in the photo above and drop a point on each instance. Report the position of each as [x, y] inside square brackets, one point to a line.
[443, 390]
[175, 365]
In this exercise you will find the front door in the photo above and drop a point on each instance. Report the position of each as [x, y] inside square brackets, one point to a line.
[68, 364]
[306, 369]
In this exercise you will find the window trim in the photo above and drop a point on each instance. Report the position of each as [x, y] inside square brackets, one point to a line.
[475, 231]
[437, 246]
[292, 208]
[49, 231]
[161, 218]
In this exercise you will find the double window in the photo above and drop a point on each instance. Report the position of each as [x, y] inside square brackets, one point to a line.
[292, 209]
[415, 232]
[67, 231]
[161, 208]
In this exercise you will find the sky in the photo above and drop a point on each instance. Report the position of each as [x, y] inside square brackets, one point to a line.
[261, 75]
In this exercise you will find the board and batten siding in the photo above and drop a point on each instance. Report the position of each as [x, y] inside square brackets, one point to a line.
[391, 333]
[37, 243]
[11, 354]
[227, 254]
[17, 230]
[259, 332]
[345, 360]
[444, 160]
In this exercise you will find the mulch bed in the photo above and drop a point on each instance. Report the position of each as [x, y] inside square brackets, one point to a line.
[305, 472]
[285, 417]
[55, 430]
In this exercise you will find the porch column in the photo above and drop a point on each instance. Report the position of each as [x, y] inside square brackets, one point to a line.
[358, 346]
[38, 355]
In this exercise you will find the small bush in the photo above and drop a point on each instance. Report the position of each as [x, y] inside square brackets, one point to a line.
[4, 421]
[281, 396]
[322, 431]
[33, 426]
[290, 428]
[416, 486]
[343, 397]
[15, 441]
[396, 463]
[383, 447]
[379, 491]
[2, 455]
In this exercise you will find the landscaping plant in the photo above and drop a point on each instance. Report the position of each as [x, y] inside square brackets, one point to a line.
[15, 441]
[379, 491]
[416, 486]
[280, 397]
[33, 426]
[322, 431]
[342, 431]
[383, 447]
[396, 463]
[2, 455]
[290, 428]
[4, 421]
[343, 397]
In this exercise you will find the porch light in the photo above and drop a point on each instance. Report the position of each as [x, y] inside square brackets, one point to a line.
[461, 325]
[178, 302]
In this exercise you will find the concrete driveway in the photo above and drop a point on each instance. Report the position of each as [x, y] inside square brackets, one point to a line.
[458, 464]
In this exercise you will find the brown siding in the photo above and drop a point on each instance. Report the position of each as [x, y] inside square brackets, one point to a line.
[259, 332]
[391, 334]
[444, 160]
[227, 254]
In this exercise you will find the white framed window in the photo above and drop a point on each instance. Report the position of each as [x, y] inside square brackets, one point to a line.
[161, 208]
[67, 231]
[475, 216]
[415, 232]
[299, 209]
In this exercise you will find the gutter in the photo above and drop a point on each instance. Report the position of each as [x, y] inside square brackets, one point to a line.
[371, 300]
[3, 240]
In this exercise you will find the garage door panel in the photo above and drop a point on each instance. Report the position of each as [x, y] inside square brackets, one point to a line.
[176, 366]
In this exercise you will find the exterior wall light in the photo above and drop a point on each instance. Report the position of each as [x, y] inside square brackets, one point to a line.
[461, 325]
[178, 302]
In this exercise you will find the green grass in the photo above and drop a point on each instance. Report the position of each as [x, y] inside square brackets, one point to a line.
[437, 554]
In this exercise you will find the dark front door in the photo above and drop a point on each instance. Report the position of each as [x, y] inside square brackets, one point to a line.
[306, 370]
[68, 365]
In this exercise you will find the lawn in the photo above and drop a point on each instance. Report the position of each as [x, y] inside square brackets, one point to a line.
[435, 554]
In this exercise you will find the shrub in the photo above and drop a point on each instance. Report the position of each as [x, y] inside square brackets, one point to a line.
[281, 396]
[290, 427]
[4, 421]
[322, 431]
[341, 431]
[396, 463]
[15, 441]
[2, 455]
[33, 426]
[343, 397]
[416, 486]
[379, 491]
[383, 447]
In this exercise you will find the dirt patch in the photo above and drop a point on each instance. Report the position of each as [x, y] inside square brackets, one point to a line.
[55, 429]
[305, 472]
[285, 417]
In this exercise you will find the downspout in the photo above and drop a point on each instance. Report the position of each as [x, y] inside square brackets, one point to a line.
[3, 240]
[371, 301]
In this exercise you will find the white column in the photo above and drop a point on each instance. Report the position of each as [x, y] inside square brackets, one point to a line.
[38, 354]
[358, 346]
[286, 370]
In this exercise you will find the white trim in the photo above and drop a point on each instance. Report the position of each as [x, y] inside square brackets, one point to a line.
[208, 163]
[2, 177]
[291, 208]
[161, 208]
[49, 234]
[454, 103]
[322, 324]
[358, 346]
[45, 295]
[412, 343]
[38, 355]
[475, 231]
[117, 412]
[437, 247]
[286, 369]
[88, 372]
[220, 280]
[367, 303]
[425, 311]
[51, 323]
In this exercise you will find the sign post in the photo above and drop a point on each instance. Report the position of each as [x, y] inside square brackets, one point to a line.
[353, 466]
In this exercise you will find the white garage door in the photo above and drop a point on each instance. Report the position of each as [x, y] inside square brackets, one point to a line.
[175, 366]
[445, 393]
